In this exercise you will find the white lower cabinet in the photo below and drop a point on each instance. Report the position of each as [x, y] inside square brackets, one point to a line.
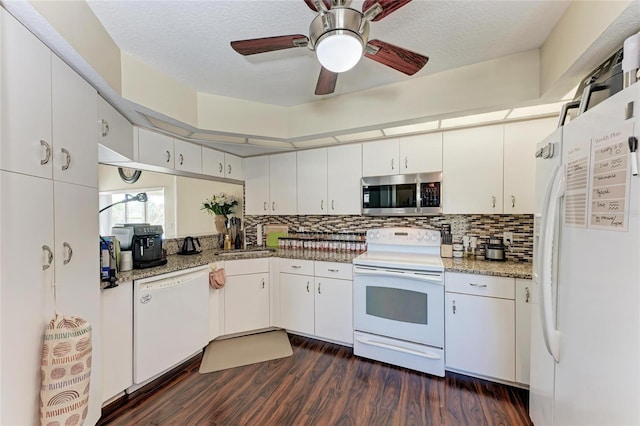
[117, 339]
[246, 295]
[480, 325]
[523, 329]
[317, 303]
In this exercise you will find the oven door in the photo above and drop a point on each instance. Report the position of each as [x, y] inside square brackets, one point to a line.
[401, 304]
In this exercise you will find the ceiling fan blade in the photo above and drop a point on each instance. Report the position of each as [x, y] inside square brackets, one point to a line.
[269, 44]
[388, 6]
[400, 59]
[313, 6]
[326, 82]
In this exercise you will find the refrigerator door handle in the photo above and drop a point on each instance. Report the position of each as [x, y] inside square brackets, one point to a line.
[550, 333]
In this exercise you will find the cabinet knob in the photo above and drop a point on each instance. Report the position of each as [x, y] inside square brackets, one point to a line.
[513, 201]
[453, 307]
[47, 249]
[168, 156]
[333, 207]
[264, 206]
[105, 127]
[321, 204]
[392, 164]
[67, 161]
[47, 152]
[263, 283]
[221, 167]
[527, 295]
[406, 162]
[273, 205]
[181, 159]
[307, 286]
[493, 197]
[319, 284]
[477, 285]
[69, 253]
[229, 168]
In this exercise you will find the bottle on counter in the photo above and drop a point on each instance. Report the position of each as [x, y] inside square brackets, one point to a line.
[227, 242]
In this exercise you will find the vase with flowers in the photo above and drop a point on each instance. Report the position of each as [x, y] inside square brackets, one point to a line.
[220, 205]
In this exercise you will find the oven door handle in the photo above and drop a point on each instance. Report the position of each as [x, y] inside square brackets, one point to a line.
[428, 355]
[433, 278]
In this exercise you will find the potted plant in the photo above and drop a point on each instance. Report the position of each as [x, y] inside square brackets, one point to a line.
[220, 205]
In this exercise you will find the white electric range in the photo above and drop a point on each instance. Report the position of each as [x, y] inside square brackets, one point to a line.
[399, 299]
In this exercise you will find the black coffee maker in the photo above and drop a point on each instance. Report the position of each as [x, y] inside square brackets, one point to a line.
[144, 241]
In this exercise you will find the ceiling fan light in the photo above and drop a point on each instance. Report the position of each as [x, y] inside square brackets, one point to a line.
[339, 51]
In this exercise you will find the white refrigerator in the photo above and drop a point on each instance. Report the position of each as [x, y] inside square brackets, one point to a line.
[585, 342]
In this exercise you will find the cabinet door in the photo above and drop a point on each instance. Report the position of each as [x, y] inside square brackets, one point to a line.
[77, 269]
[117, 339]
[472, 170]
[334, 309]
[26, 305]
[421, 153]
[115, 133]
[296, 303]
[523, 329]
[75, 133]
[282, 184]
[212, 162]
[25, 75]
[480, 335]
[155, 149]
[520, 141]
[380, 158]
[188, 156]
[256, 186]
[312, 181]
[216, 312]
[233, 167]
[246, 303]
[344, 169]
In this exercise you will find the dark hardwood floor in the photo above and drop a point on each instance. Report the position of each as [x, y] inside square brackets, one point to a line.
[321, 384]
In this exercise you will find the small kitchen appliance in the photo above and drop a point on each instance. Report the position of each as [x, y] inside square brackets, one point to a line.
[145, 242]
[189, 246]
[495, 250]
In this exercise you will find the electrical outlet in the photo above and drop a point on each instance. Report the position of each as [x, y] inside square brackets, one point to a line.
[507, 238]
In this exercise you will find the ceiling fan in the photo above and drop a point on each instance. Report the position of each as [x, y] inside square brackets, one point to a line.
[340, 36]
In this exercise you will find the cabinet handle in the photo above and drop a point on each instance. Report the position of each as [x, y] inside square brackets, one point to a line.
[47, 152]
[333, 270]
[333, 207]
[392, 164]
[493, 197]
[105, 127]
[273, 205]
[264, 206]
[168, 156]
[321, 204]
[67, 162]
[453, 307]
[221, 167]
[296, 266]
[406, 162]
[263, 283]
[181, 159]
[319, 284]
[307, 286]
[229, 168]
[477, 285]
[513, 201]
[69, 252]
[47, 249]
[527, 295]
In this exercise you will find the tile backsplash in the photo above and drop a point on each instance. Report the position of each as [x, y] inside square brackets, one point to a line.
[481, 226]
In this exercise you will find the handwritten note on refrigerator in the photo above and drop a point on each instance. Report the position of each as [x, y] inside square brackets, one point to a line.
[577, 187]
[610, 180]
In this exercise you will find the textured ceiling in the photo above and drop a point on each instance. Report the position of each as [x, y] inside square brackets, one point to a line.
[189, 41]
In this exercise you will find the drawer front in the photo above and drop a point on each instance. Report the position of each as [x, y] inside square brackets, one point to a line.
[246, 266]
[341, 271]
[295, 266]
[480, 285]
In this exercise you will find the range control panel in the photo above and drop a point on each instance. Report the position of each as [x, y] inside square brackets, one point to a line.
[404, 236]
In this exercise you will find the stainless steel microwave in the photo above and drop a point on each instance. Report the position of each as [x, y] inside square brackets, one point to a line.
[400, 195]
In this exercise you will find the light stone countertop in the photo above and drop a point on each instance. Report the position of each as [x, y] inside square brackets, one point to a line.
[179, 262]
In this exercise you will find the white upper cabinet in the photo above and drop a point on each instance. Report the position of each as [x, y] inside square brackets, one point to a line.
[155, 149]
[520, 141]
[115, 133]
[381, 158]
[188, 156]
[282, 184]
[421, 153]
[233, 167]
[25, 73]
[217, 163]
[75, 114]
[472, 170]
[312, 181]
[256, 186]
[344, 168]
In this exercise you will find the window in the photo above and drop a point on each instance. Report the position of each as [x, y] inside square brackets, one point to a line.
[151, 212]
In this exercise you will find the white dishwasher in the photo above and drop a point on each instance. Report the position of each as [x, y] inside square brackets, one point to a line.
[170, 321]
